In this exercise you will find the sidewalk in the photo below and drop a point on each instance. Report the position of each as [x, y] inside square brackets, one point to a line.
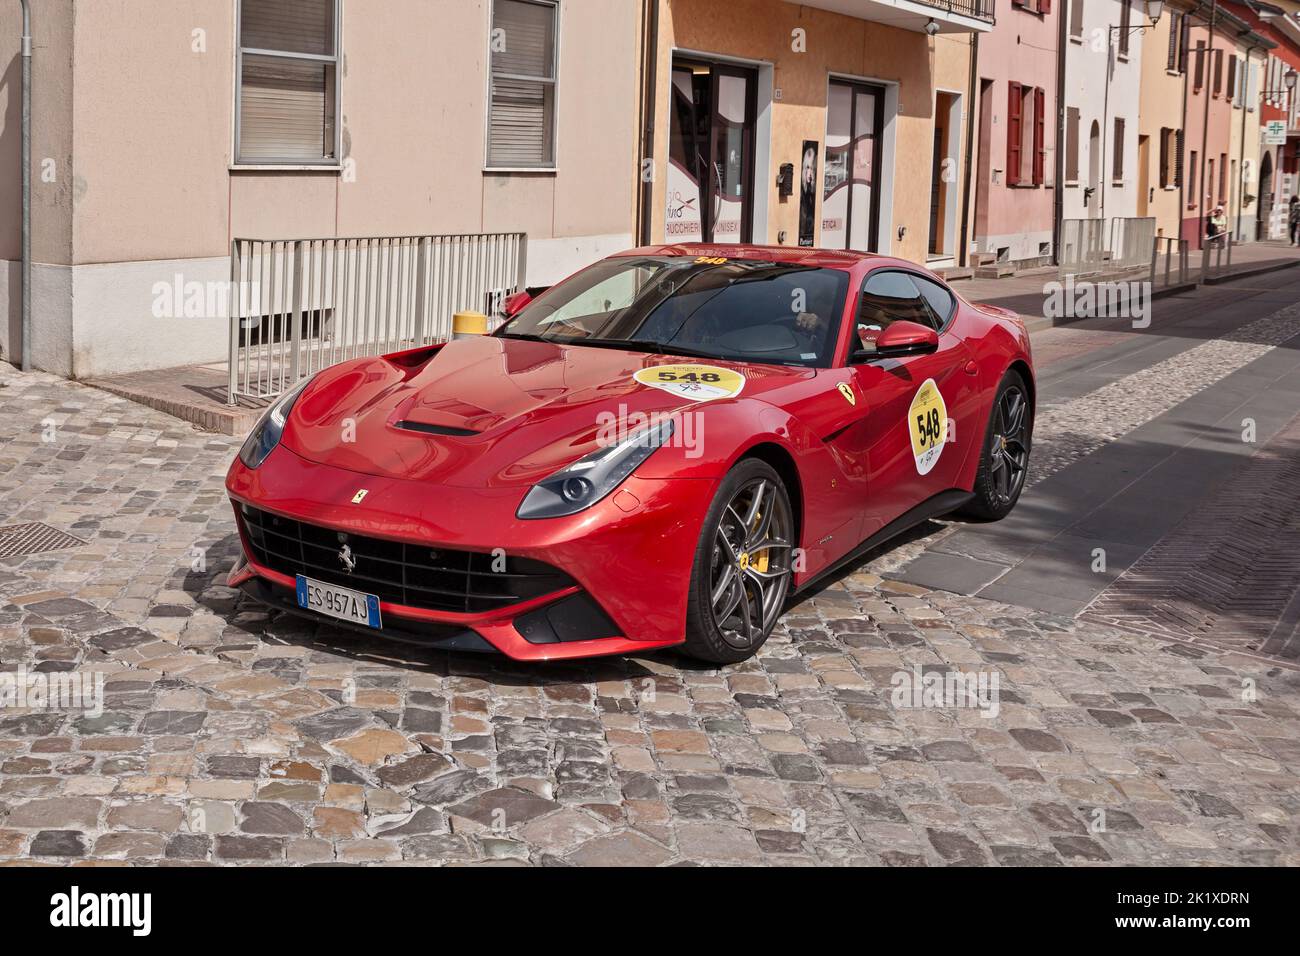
[1025, 293]
[197, 393]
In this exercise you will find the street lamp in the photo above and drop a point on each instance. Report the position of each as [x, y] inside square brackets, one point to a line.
[1153, 9]
[1288, 80]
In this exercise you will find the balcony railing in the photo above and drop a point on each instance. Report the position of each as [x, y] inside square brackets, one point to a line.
[977, 9]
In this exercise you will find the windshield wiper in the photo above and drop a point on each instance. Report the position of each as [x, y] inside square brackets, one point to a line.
[625, 345]
[636, 345]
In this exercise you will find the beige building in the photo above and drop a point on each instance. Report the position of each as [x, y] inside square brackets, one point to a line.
[163, 130]
[1160, 126]
[834, 123]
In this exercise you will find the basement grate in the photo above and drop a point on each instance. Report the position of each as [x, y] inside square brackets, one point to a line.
[34, 538]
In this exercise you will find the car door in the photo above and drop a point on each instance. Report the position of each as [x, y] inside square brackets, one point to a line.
[916, 405]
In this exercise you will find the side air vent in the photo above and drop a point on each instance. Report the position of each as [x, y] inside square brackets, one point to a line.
[437, 430]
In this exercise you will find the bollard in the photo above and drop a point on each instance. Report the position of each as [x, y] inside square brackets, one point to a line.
[467, 324]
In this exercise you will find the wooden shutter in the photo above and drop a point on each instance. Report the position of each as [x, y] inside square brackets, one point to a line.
[1117, 162]
[1164, 158]
[1014, 132]
[521, 127]
[1040, 137]
[1044, 6]
[1200, 65]
[1178, 158]
[1071, 144]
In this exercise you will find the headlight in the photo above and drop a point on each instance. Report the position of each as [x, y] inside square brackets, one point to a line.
[266, 433]
[590, 479]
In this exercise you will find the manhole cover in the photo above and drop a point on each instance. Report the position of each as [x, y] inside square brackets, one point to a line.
[34, 538]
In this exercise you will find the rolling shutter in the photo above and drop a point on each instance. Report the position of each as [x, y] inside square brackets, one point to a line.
[286, 103]
[521, 127]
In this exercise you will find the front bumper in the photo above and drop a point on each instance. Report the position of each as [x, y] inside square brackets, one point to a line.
[629, 557]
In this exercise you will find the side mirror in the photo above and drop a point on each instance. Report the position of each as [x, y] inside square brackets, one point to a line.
[514, 304]
[899, 340]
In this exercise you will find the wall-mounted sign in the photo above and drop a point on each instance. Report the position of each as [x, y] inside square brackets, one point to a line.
[1275, 133]
[808, 194]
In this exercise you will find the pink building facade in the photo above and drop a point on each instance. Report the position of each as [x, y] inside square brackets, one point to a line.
[1016, 97]
[1209, 164]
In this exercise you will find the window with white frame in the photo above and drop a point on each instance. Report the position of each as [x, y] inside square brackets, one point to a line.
[521, 112]
[287, 82]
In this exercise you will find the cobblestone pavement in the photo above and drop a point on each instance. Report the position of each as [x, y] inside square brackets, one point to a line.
[232, 736]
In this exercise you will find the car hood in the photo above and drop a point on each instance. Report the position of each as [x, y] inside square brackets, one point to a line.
[489, 412]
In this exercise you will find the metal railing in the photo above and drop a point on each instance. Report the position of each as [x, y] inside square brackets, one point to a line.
[979, 9]
[1130, 240]
[1169, 262]
[301, 305]
[1083, 246]
[1097, 246]
[1216, 256]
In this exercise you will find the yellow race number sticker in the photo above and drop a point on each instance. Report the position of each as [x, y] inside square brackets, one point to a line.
[927, 420]
[699, 383]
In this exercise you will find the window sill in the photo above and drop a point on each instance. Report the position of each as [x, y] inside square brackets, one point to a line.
[1169, 72]
[546, 170]
[285, 168]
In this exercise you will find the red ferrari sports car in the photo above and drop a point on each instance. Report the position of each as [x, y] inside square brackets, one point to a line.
[656, 452]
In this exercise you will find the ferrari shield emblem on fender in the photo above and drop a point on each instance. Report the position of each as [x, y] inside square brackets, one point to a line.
[847, 391]
[360, 496]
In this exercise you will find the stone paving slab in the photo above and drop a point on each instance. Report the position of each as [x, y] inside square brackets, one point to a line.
[235, 736]
[1116, 470]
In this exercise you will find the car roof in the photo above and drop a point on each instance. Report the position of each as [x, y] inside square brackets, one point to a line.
[795, 255]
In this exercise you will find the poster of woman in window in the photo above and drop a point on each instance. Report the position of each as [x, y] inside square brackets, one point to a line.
[808, 194]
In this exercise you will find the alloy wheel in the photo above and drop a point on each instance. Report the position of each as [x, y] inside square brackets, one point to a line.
[1010, 449]
[752, 563]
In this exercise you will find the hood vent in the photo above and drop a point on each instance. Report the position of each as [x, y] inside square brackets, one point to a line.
[443, 430]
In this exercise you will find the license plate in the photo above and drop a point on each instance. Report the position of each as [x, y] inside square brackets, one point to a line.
[355, 607]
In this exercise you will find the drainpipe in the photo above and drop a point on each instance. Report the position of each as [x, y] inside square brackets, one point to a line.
[1058, 199]
[971, 95]
[1184, 44]
[27, 187]
[1205, 126]
[649, 100]
[1244, 82]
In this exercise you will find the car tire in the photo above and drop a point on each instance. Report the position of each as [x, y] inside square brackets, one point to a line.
[1004, 458]
[754, 570]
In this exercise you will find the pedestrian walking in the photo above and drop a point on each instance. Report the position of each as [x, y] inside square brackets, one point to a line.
[1293, 220]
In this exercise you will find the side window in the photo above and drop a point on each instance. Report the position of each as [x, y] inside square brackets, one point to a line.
[940, 300]
[889, 297]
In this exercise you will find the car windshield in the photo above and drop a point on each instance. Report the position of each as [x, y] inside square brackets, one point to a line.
[737, 309]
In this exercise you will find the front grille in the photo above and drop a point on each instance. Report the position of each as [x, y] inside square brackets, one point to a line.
[422, 576]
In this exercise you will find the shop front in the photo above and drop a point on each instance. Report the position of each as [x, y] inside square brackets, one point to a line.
[792, 124]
